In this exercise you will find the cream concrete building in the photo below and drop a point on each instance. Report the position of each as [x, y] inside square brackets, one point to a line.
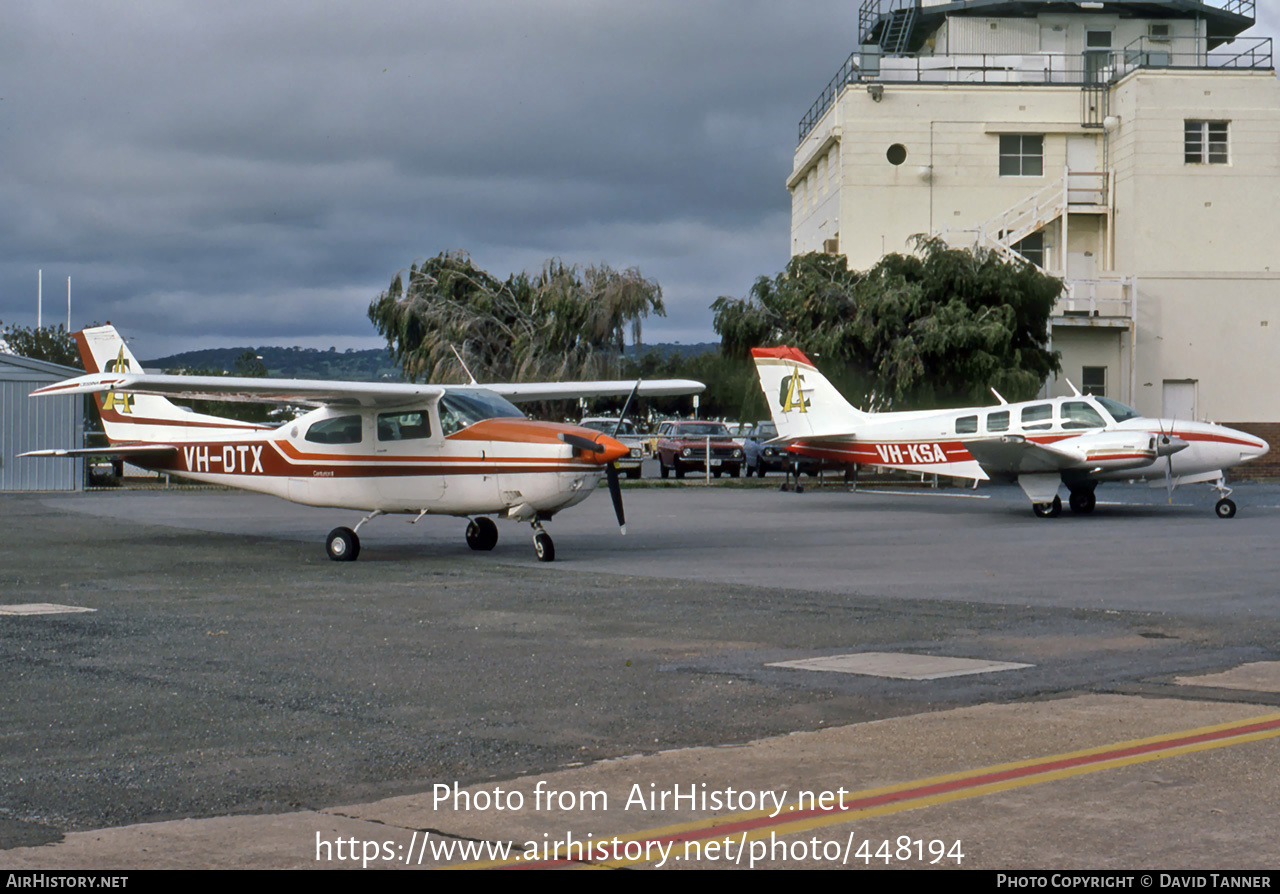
[1131, 147]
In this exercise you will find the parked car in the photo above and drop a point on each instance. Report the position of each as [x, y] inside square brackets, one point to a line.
[763, 457]
[683, 443]
[629, 435]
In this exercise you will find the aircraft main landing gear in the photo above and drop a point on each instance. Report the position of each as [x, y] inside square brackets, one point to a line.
[482, 534]
[342, 544]
[1048, 510]
[543, 547]
[1082, 501]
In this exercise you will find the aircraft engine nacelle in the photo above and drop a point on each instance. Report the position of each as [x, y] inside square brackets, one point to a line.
[1111, 451]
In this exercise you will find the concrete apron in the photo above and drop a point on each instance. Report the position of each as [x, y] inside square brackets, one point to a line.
[1075, 782]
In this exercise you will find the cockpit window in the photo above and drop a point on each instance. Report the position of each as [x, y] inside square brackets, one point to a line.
[458, 409]
[1119, 412]
[1078, 414]
[404, 426]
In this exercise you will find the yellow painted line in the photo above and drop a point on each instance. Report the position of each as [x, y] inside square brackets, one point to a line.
[749, 826]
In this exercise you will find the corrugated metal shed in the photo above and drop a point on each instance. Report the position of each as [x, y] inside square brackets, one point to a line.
[28, 423]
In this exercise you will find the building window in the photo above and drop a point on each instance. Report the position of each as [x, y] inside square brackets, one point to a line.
[1021, 155]
[1205, 142]
[897, 154]
[1093, 380]
[1032, 248]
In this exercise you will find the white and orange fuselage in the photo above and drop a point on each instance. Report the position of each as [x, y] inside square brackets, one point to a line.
[1076, 441]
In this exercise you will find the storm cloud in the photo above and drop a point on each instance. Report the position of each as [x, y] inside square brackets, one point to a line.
[215, 174]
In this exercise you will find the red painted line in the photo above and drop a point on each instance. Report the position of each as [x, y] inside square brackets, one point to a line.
[925, 791]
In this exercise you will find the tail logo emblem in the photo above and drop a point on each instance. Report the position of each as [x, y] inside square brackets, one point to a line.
[790, 396]
[115, 400]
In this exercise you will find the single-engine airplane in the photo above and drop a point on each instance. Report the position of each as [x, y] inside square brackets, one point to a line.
[1075, 441]
[460, 450]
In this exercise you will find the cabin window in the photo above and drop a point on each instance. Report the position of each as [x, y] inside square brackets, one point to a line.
[403, 426]
[966, 425]
[338, 430]
[1205, 142]
[1038, 417]
[1078, 414]
[998, 421]
[1021, 155]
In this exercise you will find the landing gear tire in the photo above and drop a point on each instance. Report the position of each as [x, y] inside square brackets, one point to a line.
[543, 547]
[1049, 510]
[1082, 501]
[1225, 508]
[342, 545]
[482, 534]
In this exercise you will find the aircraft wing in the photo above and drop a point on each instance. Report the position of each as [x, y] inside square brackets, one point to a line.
[305, 392]
[1015, 455]
[520, 392]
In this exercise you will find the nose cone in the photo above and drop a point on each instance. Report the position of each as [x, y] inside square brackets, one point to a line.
[1251, 446]
[613, 449]
[1167, 445]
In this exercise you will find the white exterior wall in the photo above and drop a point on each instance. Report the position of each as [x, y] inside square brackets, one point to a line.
[1202, 240]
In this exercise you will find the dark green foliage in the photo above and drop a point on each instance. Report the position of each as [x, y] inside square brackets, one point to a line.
[290, 363]
[54, 345]
[935, 329]
[560, 324]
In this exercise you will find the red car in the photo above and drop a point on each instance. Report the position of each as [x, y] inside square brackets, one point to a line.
[682, 447]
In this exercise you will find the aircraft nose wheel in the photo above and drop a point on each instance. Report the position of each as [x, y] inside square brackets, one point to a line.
[342, 545]
[1225, 508]
[543, 547]
[482, 534]
[1049, 510]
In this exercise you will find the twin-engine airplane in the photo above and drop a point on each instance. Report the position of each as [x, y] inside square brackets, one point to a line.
[378, 448]
[1075, 441]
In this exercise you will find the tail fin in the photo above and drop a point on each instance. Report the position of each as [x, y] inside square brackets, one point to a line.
[135, 417]
[802, 401]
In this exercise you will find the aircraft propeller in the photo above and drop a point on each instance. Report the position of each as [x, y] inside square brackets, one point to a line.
[1167, 445]
[611, 469]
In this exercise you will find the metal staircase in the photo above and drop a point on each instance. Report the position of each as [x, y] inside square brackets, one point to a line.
[888, 24]
[1011, 226]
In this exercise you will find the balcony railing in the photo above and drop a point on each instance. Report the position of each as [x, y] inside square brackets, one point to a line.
[1079, 70]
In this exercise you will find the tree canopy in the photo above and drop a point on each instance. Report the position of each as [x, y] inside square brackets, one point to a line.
[55, 345]
[931, 329]
[565, 322]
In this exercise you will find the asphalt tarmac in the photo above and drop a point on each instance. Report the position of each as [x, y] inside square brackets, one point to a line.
[230, 669]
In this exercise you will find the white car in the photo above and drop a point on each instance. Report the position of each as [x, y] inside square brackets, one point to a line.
[629, 435]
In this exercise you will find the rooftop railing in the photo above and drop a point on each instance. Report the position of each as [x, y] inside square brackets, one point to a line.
[1088, 69]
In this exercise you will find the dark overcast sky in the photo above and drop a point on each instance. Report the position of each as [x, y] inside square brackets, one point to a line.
[251, 173]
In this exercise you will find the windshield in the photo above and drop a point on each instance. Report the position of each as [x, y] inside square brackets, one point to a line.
[766, 432]
[607, 426]
[701, 430]
[1119, 412]
[458, 409]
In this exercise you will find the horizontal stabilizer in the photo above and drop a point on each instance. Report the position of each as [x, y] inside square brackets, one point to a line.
[135, 450]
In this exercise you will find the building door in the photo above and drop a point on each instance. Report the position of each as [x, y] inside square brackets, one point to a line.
[1097, 57]
[1084, 183]
[1179, 399]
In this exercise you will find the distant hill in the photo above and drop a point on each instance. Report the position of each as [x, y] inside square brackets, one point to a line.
[355, 366]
